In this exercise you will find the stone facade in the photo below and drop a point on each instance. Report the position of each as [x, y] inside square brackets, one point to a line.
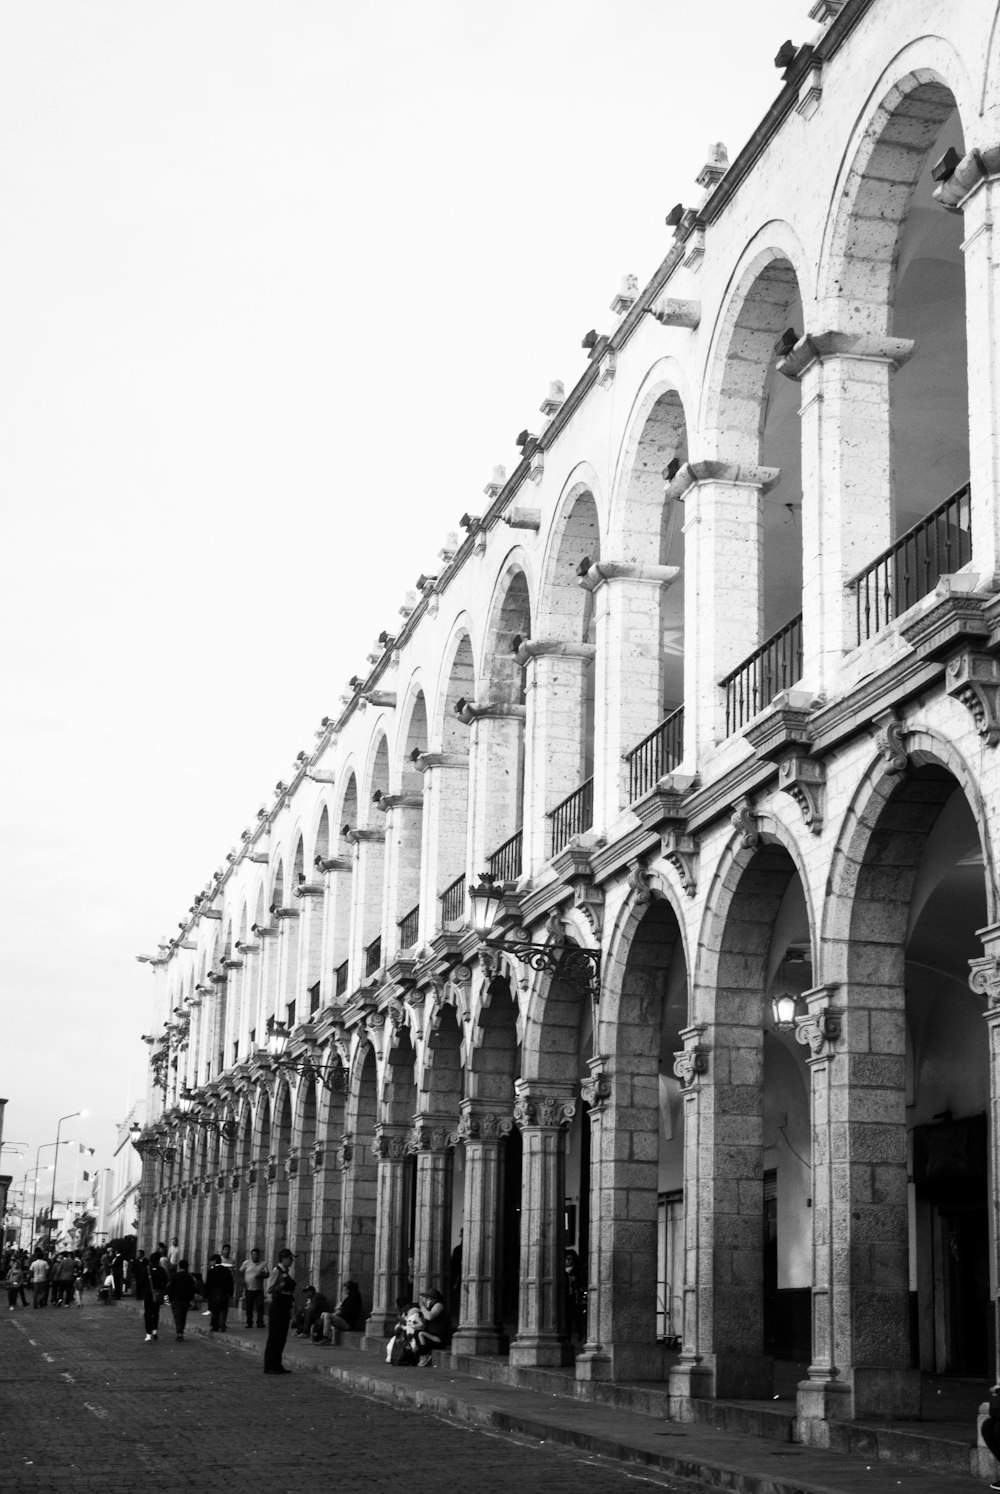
[711, 686]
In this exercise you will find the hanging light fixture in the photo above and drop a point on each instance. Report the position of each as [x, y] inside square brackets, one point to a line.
[786, 1004]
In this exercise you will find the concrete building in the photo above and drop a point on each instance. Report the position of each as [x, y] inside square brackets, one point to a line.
[710, 686]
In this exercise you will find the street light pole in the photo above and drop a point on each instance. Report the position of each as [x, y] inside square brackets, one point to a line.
[52, 1204]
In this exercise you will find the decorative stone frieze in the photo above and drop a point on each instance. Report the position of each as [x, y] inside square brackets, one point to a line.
[973, 678]
[951, 616]
[804, 780]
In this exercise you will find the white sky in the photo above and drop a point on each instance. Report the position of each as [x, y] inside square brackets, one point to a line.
[280, 280]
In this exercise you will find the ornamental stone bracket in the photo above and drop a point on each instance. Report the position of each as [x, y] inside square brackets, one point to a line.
[670, 312]
[804, 780]
[681, 852]
[489, 710]
[316, 1160]
[639, 883]
[952, 615]
[820, 1028]
[973, 679]
[975, 168]
[746, 824]
[691, 1063]
[665, 804]
[596, 1089]
[536, 648]
[292, 1165]
[345, 1151]
[889, 731]
[984, 979]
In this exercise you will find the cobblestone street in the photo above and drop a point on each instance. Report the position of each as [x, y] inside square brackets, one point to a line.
[87, 1405]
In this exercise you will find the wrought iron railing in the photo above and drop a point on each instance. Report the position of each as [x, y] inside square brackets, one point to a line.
[373, 956]
[453, 902]
[913, 566]
[340, 979]
[409, 928]
[773, 667]
[571, 817]
[655, 755]
[505, 862]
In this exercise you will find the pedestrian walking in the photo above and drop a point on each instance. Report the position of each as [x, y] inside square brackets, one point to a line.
[39, 1273]
[180, 1294]
[156, 1285]
[281, 1298]
[219, 1287]
[14, 1282]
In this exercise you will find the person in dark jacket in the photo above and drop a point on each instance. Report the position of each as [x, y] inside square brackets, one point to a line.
[219, 1288]
[281, 1300]
[152, 1300]
[180, 1294]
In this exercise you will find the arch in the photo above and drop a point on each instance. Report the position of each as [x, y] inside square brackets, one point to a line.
[563, 608]
[643, 527]
[508, 618]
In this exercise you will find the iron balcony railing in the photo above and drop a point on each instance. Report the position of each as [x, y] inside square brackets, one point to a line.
[373, 956]
[773, 667]
[913, 566]
[453, 902]
[340, 979]
[505, 862]
[571, 817]
[655, 755]
[409, 928]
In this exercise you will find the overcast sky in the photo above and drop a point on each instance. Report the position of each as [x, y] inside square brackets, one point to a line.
[280, 280]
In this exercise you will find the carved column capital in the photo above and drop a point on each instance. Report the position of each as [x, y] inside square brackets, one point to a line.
[544, 1107]
[820, 1028]
[691, 1063]
[596, 1089]
[483, 1120]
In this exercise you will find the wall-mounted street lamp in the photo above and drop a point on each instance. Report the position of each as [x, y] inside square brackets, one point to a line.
[192, 1102]
[578, 967]
[149, 1141]
[276, 1059]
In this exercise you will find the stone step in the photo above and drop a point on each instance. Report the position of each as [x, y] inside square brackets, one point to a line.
[923, 1446]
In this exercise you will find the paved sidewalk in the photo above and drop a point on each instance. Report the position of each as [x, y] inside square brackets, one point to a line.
[719, 1459]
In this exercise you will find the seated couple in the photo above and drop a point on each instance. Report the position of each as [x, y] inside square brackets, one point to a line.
[419, 1330]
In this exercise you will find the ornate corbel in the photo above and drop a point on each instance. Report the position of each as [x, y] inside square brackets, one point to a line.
[596, 1089]
[588, 899]
[345, 1151]
[638, 883]
[681, 852]
[819, 1030]
[973, 679]
[984, 979]
[744, 821]
[888, 731]
[691, 1063]
[804, 780]
[291, 1164]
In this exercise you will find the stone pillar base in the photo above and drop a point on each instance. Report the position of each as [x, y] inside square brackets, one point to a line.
[540, 1352]
[475, 1341]
[378, 1328]
[729, 1377]
[622, 1362]
[871, 1393]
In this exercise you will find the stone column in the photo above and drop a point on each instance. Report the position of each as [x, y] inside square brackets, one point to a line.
[445, 829]
[267, 995]
[432, 1228]
[985, 981]
[392, 1149]
[555, 750]
[973, 190]
[496, 780]
[724, 586]
[275, 1181]
[403, 822]
[326, 1215]
[359, 1201]
[366, 905]
[629, 677]
[541, 1112]
[722, 1354]
[846, 482]
[861, 1347]
[310, 896]
[483, 1127]
[146, 1148]
[338, 877]
[288, 960]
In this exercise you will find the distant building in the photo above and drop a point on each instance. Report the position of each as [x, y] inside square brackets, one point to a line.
[710, 686]
[125, 1175]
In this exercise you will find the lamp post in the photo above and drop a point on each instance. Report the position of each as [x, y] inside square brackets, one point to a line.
[33, 1174]
[577, 966]
[52, 1202]
[275, 1058]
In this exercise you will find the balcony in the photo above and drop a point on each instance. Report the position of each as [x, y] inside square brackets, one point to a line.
[938, 545]
[373, 956]
[409, 928]
[453, 903]
[656, 755]
[504, 863]
[340, 979]
[571, 817]
[773, 667]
